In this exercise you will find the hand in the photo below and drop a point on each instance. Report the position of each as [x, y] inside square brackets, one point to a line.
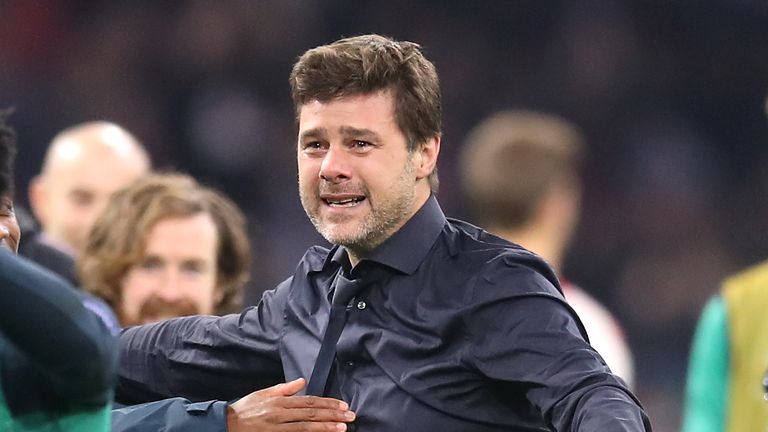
[277, 409]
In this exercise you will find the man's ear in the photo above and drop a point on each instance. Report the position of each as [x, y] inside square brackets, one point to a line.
[427, 157]
[38, 199]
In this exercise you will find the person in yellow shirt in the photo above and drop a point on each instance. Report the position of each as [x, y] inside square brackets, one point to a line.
[726, 384]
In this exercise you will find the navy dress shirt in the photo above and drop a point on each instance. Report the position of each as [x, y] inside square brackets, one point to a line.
[461, 331]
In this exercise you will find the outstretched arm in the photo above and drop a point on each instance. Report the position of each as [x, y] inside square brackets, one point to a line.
[533, 343]
[203, 357]
[272, 409]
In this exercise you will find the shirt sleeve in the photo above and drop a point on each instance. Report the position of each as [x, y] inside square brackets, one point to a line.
[204, 357]
[171, 415]
[706, 389]
[45, 318]
[532, 344]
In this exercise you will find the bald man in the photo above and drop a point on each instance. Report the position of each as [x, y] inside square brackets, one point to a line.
[83, 166]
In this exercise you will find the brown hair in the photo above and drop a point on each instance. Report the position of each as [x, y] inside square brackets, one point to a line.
[371, 63]
[118, 239]
[511, 159]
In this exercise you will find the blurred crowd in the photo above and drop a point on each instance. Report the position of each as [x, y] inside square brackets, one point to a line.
[670, 96]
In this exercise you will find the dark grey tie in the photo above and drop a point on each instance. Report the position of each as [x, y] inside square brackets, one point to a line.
[344, 291]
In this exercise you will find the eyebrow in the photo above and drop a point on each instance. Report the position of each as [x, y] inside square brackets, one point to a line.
[356, 132]
[313, 133]
[196, 261]
[347, 131]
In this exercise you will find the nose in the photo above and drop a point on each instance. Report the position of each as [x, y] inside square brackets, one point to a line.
[170, 289]
[335, 166]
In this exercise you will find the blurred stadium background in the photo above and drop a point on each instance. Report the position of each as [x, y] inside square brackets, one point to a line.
[671, 95]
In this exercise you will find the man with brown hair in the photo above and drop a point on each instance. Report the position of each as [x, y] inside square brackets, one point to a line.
[164, 247]
[521, 179]
[417, 322]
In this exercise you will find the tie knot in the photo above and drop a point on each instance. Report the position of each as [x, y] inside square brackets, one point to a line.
[345, 289]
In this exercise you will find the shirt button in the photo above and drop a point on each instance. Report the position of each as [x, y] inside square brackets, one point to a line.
[350, 363]
[361, 305]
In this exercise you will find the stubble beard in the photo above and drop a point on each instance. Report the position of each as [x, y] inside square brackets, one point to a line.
[384, 218]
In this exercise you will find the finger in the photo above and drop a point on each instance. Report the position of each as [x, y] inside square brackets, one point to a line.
[317, 415]
[283, 389]
[312, 402]
[313, 427]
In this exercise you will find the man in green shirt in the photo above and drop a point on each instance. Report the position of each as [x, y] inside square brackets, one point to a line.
[57, 348]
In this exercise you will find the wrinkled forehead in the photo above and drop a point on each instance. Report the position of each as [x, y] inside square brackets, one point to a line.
[359, 111]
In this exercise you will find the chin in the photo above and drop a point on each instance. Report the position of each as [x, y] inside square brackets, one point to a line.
[340, 237]
[336, 238]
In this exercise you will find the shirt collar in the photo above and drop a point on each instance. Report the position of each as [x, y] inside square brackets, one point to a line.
[405, 249]
[56, 244]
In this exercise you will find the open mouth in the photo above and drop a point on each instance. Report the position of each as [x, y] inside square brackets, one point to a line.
[344, 202]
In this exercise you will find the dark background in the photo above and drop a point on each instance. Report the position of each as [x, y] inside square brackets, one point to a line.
[670, 94]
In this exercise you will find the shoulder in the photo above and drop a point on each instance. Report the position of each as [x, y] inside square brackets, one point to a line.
[49, 257]
[714, 314]
[314, 265]
[99, 308]
[750, 282]
[499, 265]
[590, 308]
[754, 275]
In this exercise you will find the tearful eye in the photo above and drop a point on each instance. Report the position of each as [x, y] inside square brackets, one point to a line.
[359, 144]
[311, 144]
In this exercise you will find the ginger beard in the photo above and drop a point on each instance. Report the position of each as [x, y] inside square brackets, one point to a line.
[156, 309]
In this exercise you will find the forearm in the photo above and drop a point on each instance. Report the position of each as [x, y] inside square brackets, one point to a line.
[204, 357]
[199, 358]
[602, 408]
[171, 415]
[565, 378]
